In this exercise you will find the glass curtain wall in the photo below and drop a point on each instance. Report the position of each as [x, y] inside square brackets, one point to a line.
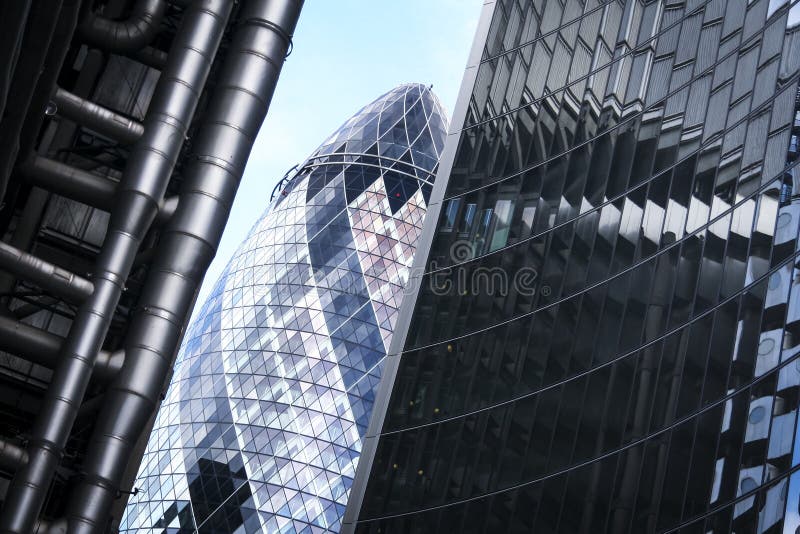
[261, 427]
[607, 332]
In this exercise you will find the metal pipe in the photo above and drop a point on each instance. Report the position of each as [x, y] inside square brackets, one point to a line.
[142, 187]
[152, 57]
[42, 347]
[44, 274]
[124, 36]
[25, 228]
[86, 187]
[12, 456]
[108, 364]
[187, 245]
[67, 181]
[46, 527]
[167, 209]
[103, 121]
[29, 342]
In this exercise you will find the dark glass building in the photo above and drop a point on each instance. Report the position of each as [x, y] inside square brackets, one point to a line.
[606, 331]
[261, 428]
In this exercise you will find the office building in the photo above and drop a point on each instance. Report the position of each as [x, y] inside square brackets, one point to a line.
[261, 428]
[607, 334]
[125, 127]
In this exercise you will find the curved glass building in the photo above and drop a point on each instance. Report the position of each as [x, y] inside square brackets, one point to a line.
[607, 333]
[261, 428]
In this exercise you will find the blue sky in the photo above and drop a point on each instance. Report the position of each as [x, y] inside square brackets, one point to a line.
[346, 53]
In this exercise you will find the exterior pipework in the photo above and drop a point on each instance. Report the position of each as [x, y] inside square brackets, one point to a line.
[70, 182]
[152, 57]
[104, 121]
[124, 36]
[141, 190]
[188, 244]
[41, 347]
[44, 274]
[46, 527]
[11, 456]
[76, 184]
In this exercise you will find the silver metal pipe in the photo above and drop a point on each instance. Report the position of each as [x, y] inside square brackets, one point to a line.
[55, 527]
[103, 121]
[187, 245]
[108, 364]
[167, 209]
[86, 187]
[152, 57]
[29, 342]
[139, 193]
[44, 274]
[12, 456]
[128, 35]
[42, 348]
[67, 181]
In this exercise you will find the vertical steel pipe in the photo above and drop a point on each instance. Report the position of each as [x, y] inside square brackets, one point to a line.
[187, 245]
[142, 188]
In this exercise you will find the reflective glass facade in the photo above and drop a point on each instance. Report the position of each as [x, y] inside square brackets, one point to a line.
[261, 427]
[607, 334]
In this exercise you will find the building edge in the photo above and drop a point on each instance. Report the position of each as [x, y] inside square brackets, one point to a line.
[371, 438]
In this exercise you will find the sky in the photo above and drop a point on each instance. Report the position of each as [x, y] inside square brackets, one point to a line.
[346, 53]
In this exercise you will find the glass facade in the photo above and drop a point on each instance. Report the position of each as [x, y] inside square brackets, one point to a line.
[261, 427]
[607, 334]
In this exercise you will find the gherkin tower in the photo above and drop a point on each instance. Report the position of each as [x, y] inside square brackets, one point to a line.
[261, 427]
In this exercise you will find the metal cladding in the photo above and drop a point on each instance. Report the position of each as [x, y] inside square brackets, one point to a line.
[606, 336]
[261, 428]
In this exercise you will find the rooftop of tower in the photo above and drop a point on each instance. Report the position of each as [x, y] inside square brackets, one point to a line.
[407, 116]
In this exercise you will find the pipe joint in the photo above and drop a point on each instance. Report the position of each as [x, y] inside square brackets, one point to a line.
[103, 121]
[125, 36]
[44, 274]
[12, 456]
[70, 182]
